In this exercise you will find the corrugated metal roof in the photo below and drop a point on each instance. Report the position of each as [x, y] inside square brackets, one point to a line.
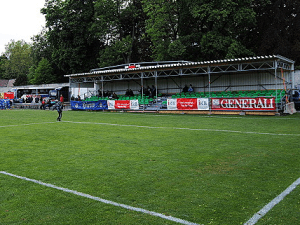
[186, 64]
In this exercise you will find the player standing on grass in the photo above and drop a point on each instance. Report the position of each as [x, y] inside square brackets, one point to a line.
[58, 106]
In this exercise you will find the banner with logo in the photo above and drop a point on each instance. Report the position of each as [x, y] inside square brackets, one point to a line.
[89, 105]
[172, 104]
[245, 104]
[123, 104]
[188, 104]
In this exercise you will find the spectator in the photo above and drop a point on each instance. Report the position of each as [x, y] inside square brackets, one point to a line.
[131, 92]
[185, 89]
[43, 105]
[115, 96]
[147, 91]
[106, 94]
[153, 91]
[191, 89]
[99, 93]
[61, 99]
[48, 104]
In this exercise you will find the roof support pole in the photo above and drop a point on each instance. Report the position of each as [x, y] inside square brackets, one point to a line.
[276, 86]
[142, 89]
[155, 76]
[70, 91]
[292, 74]
[209, 88]
[102, 81]
[209, 80]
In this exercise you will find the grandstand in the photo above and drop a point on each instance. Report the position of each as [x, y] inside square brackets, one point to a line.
[253, 77]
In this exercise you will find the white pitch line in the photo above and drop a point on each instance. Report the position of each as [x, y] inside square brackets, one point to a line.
[28, 124]
[183, 128]
[174, 219]
[271, 204]
[149, 127]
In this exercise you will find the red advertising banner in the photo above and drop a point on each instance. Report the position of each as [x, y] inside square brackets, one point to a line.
[9, 95]
[245, 104]
[122, 104]
[187, 104]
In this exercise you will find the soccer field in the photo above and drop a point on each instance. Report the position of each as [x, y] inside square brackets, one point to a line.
[129, 168]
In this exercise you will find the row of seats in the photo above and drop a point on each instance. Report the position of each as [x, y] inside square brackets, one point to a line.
[217, 94]
[230, 94]
[145, 100]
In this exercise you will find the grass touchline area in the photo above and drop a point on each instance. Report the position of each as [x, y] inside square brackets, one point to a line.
[149, 127]
[177, 220]
[207, 170]
[271, 204]
[181, 128]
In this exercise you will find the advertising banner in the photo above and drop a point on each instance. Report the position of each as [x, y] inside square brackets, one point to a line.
[245, 104]
[188, 104]
[111, 104]
[90, 105]
[172, 104]
[9, 95]
[203, 103]
[123, 104]
[134, 104]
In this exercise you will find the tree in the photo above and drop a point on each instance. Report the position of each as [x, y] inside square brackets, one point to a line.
[200, 29]
[41, 48]
[74, 47]
[2, 69]
[223, 27]
[18, 62]
[277, 30]
[120, 25]
[162, 26]
[43, 73]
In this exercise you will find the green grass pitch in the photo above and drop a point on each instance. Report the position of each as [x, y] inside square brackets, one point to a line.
[201, 169]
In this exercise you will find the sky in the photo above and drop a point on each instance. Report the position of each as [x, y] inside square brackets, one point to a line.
[20, 20]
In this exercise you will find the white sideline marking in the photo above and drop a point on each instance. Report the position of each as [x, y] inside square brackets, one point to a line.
[178, 128]
[148, 127]
[174, 219]
[28, 124]
[271, 204]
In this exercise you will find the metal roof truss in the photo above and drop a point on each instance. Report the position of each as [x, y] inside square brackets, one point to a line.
[186, 69]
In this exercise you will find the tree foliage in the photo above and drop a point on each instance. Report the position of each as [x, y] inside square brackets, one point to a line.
[74, 47]
[43, 74]
[120, 25]
[277, 30]
[18, 62]
[2, 69]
